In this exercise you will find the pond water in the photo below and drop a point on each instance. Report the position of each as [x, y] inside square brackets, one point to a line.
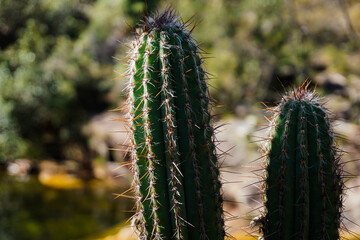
[29, 210]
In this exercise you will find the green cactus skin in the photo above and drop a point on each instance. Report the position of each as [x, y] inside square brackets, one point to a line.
[176, 175]
[303, 183]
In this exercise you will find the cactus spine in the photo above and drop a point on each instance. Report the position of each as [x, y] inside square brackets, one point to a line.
[303, 184]
[176, 175]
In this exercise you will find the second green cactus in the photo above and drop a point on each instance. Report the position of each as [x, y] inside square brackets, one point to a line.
[303, 184]
[176, 175]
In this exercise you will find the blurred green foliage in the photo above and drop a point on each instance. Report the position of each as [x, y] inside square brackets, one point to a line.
[251, 43]
[56, 67]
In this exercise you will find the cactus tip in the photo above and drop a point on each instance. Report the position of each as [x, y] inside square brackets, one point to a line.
[168, 18]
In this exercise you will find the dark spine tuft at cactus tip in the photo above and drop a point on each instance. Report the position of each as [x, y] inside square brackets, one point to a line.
[303, 184]
[175, 166]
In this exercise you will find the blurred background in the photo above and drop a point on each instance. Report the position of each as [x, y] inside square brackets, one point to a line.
[58, 172]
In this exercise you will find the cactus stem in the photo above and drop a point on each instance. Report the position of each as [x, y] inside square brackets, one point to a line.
[176, 176]
[303, 182]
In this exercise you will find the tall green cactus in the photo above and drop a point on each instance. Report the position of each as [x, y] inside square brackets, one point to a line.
[303, 183]
[176, 175]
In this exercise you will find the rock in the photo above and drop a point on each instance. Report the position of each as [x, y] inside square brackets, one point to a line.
[108, 131]
[333, 82]
[20, 167]
[319, 63]
[239, 185]
[354, 89]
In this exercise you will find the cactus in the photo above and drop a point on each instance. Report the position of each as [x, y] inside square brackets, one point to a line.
[174, 162]
[303, 183]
